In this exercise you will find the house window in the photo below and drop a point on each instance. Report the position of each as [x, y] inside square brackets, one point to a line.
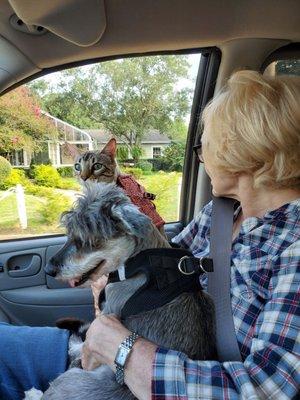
[156, 152]
[16, 158]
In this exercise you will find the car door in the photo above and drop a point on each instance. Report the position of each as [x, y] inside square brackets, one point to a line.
[28, 296]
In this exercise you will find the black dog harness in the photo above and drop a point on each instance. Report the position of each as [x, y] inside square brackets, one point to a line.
[169, 272]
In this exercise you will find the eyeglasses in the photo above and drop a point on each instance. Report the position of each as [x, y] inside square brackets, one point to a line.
[198, 151]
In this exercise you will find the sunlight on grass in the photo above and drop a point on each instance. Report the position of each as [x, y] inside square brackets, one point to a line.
[166, 186]
[43, 212]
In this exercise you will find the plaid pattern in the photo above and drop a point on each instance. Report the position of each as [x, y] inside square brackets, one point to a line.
[265, 282]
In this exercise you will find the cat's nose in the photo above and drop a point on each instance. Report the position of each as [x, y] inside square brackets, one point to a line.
[84, 177]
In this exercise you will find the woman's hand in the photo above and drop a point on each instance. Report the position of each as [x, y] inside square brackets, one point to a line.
[103, 338]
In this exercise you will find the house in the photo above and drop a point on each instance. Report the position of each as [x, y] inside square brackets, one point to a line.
[58, 151]
[153, 144]
[55, 150]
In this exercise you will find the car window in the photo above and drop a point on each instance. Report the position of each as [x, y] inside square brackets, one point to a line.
[144, 102]
[284, 67]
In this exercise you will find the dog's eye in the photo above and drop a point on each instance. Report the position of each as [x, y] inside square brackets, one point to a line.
[97, 166]
[77, 167]
[77, 244]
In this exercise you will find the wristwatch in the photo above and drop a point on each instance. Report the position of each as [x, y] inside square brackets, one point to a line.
[122, 356]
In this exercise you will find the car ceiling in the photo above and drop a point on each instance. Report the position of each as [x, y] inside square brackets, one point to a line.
[80, 30]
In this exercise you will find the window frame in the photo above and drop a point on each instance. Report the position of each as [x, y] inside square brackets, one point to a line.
[289, 52]
[203, 92]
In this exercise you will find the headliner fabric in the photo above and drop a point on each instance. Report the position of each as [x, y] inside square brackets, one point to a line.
[30, 357]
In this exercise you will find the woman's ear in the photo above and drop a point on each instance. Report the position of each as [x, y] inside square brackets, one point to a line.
[110, 148]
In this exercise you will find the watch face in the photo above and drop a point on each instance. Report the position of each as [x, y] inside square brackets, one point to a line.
[122, 355]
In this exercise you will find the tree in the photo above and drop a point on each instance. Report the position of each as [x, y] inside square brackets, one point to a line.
[22, 126]
[173, 157]
[127, 97]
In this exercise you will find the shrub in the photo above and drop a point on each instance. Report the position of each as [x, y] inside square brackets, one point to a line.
[5, 169]
[136, 172]
[46, 175]
[122, 153]
[66, 172]
[136, 152]
[36, 190]
[144, 165]
[16, 176]
[55, 205]
[69, 184]
[173, 157]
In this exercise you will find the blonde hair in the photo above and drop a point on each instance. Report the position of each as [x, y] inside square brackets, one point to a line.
[254, 127]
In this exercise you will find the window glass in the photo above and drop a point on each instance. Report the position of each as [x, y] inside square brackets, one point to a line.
[144, 102]
[284, 67]
[156, 152]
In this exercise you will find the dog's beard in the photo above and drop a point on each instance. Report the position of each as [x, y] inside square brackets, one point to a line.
[89, 267]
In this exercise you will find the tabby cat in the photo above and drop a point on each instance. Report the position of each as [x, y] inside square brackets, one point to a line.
[101, 166]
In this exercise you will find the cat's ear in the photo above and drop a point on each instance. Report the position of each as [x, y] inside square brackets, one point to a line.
[110, 148]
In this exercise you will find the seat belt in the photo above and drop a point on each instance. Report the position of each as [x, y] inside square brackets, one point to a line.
[219, 279]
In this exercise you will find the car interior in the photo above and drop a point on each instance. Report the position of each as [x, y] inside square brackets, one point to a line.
[39, 38]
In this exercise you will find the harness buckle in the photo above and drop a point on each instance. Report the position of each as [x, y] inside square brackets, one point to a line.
[149, 196]
[197, 265]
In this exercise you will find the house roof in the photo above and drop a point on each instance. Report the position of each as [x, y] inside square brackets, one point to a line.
[153, 136]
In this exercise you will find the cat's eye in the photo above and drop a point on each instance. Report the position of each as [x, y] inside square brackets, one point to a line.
[77, 167]
[97, 166]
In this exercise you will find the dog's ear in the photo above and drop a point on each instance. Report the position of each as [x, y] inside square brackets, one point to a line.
[133, 221]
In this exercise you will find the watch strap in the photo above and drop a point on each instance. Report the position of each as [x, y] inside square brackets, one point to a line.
[128, 343]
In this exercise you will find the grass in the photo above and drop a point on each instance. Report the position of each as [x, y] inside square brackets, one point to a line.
[9, 220]
[165, 185]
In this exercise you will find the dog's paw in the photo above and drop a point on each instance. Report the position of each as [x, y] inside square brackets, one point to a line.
[33, 394]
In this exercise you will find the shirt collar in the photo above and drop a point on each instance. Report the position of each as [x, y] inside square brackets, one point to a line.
[250, 223]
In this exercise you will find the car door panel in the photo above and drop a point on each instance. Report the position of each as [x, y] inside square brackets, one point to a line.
[16, 267]
[42, 315]
[27, 295]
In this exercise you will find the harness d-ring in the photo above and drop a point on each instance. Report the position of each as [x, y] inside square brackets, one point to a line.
[180, 266]
[199, 269]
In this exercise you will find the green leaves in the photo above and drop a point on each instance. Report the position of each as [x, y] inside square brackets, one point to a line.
[127, 97]
[22, 126]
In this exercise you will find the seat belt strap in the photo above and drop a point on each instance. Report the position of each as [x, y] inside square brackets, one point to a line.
[219, 280]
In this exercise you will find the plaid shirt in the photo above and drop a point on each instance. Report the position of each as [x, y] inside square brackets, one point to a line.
[265, 282]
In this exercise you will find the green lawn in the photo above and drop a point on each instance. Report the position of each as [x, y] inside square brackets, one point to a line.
[9, 221]
[166, 186]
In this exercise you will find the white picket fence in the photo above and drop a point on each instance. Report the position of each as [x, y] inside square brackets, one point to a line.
[18, 191]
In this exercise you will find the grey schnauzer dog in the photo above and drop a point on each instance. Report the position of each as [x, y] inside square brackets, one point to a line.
[104, 229]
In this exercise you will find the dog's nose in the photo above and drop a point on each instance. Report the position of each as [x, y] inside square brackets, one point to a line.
[51, 268]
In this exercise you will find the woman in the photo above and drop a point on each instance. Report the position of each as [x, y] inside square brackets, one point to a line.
[251, 151]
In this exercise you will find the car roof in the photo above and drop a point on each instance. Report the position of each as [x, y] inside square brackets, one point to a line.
[80, 30]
